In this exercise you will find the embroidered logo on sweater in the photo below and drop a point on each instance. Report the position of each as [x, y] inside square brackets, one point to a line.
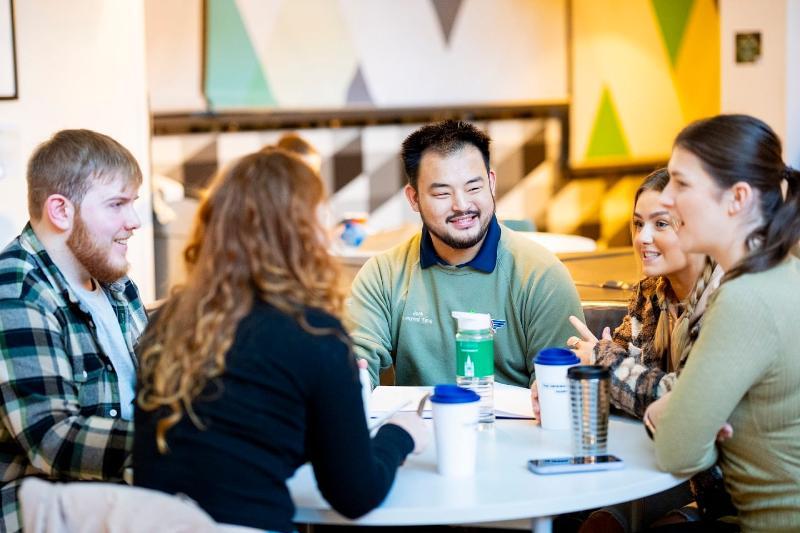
[498, 324]
[418, 317]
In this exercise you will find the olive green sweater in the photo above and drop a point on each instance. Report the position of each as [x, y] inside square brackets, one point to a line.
[745, 369]
[400, 311]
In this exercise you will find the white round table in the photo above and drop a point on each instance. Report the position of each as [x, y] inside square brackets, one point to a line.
[503, 488]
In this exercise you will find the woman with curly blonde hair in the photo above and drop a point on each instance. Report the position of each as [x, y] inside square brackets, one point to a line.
[246, 372]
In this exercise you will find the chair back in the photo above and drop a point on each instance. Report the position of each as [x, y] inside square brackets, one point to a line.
[88, 507]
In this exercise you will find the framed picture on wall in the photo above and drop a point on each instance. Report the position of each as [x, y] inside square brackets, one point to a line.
[8, 61]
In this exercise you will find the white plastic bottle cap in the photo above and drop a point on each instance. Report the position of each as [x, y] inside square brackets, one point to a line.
[472, 321]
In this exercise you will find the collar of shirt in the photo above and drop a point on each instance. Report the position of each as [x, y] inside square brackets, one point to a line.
[126, 300]
[484, 261]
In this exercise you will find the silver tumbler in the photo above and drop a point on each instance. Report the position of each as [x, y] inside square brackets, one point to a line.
[589, 402]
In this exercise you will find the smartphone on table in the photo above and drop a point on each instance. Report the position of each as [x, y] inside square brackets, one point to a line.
[566, 465]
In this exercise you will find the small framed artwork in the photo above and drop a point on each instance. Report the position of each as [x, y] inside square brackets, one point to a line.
[748, 47]
[8, 59]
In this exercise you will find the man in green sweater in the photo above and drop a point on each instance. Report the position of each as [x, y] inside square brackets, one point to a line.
[463, 260]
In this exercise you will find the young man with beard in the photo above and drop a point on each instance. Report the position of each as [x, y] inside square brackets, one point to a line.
[69, 318]
[463, 260]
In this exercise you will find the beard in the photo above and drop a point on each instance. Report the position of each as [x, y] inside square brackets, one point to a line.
[454, 241]
[94, 257]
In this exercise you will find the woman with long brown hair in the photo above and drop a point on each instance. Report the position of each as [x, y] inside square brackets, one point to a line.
[246, 373]
[737, 201]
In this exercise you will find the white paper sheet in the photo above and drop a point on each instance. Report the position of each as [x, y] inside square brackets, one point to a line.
[509, 401]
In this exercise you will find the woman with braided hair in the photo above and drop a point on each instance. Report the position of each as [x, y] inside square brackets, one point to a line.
[646, 352]
[648, 349]
[735, 200]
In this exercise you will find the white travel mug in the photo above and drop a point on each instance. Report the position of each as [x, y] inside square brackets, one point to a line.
[551, 365]
[455, 425]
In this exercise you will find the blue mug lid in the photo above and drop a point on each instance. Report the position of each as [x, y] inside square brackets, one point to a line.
[453, 394]
[556, 357]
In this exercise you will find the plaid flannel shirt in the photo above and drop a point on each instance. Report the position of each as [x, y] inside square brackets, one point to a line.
[60, 396]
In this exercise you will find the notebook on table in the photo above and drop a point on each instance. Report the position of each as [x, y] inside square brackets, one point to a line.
[509, 401]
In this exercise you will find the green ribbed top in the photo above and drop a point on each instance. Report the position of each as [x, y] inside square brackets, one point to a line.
[745, 369]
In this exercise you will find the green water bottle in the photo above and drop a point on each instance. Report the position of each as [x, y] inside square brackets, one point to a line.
[475, 360]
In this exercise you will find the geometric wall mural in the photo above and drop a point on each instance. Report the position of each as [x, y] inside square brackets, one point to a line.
[360, 167]
[641, 70]
[333, 54]
[233, 72]
[607, 138]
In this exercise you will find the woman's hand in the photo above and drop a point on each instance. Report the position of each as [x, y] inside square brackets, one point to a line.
[583, 346]
[725, 433]
[653, 414]
[415, 427]
[656, 409]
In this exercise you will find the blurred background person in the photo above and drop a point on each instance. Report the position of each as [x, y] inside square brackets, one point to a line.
[292, 142]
